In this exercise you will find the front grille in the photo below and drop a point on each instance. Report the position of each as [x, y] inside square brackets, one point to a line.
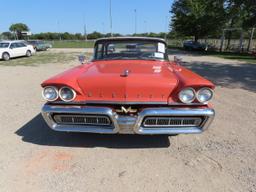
[171, 122]
[82, 119]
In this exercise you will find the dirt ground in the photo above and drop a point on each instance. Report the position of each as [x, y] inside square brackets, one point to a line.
[35, 158]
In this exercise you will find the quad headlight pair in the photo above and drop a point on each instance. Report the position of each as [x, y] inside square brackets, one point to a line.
[51, 93]
[203, 95]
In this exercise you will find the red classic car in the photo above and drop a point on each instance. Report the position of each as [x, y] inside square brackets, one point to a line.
[129, 86]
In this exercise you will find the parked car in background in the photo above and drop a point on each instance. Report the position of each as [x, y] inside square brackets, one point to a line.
[131, 87]
[39, 45]
[11, 49]
[195, 46]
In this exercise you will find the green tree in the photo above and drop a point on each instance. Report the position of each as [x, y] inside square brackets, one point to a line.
[67, 36]
[94, 35]
[18, 28]
[111, 35]
[241, 15]
[250, 14]
[7, 35]
[198, 18]
[79, 36]
[235, 15]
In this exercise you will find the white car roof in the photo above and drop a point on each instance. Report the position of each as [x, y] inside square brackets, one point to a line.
[129, 38]
[11, 41]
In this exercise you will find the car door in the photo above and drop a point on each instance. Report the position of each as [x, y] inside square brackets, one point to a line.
[22, 48]
[14, 50]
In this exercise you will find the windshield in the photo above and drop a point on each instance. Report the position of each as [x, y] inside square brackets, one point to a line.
[39, 42]
[4, 45]
[143, 50]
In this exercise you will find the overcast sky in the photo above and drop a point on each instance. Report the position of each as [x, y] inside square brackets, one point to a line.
[70, 15]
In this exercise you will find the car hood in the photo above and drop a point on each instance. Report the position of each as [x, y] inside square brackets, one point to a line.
[128, 80]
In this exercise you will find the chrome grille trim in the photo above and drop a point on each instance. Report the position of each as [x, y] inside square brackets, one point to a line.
[80, 119]
[125, 123]
[206, 115]
[49, 111]
[171, 121]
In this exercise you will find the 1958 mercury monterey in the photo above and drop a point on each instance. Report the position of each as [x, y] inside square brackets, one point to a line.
[130, 87]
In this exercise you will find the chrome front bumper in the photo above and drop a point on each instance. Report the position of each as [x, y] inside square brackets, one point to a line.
[128, 124]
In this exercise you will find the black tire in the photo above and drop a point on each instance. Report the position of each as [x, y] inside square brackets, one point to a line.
[6, 56]
[28, 53]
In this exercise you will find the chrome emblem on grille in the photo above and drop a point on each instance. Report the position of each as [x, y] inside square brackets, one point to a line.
[125, 73]
[126, 110]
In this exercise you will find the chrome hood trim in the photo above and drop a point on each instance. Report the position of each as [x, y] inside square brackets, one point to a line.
[126, 103]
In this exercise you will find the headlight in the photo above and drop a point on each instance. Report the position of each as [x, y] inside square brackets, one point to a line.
[67, 94]
[204, 95]
[50, 93]
[187, 95]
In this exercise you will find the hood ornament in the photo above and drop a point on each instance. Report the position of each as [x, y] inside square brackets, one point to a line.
[126, 110]
[125, 73]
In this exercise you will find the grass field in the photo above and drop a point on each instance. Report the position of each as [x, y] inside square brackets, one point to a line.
[72, 44]
[42, 58]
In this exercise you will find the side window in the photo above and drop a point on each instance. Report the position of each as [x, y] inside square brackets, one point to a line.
[13, 45]
[21, 45]
[111, 48]
[98, 51]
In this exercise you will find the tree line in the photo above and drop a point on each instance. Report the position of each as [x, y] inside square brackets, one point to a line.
[17, 32]
[75, 36]
[212, 18]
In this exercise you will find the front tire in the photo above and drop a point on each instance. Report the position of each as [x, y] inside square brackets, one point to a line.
[28, 53]
[6, 56]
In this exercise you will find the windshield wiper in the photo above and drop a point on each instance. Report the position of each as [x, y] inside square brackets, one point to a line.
[149, 58]
[120, 57]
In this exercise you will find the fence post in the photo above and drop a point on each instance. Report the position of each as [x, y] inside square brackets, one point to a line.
[250, 40]
[241, 42]
[222, 40]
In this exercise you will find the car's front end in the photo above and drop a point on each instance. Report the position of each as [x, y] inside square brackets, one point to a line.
[130, 96]
[149, 120]
[47, 45]
[4, 49]
[41, 47]
[38, 45]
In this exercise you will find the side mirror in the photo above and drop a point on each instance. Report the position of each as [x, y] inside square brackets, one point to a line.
[177, 59]
[81, 59]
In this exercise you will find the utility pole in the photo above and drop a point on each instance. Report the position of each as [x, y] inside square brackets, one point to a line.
[135, 21]
[85, 33]
[103, 27]
[145, 25]
[85, 27]
[166, 28]
[110, 17]
[58, 23]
